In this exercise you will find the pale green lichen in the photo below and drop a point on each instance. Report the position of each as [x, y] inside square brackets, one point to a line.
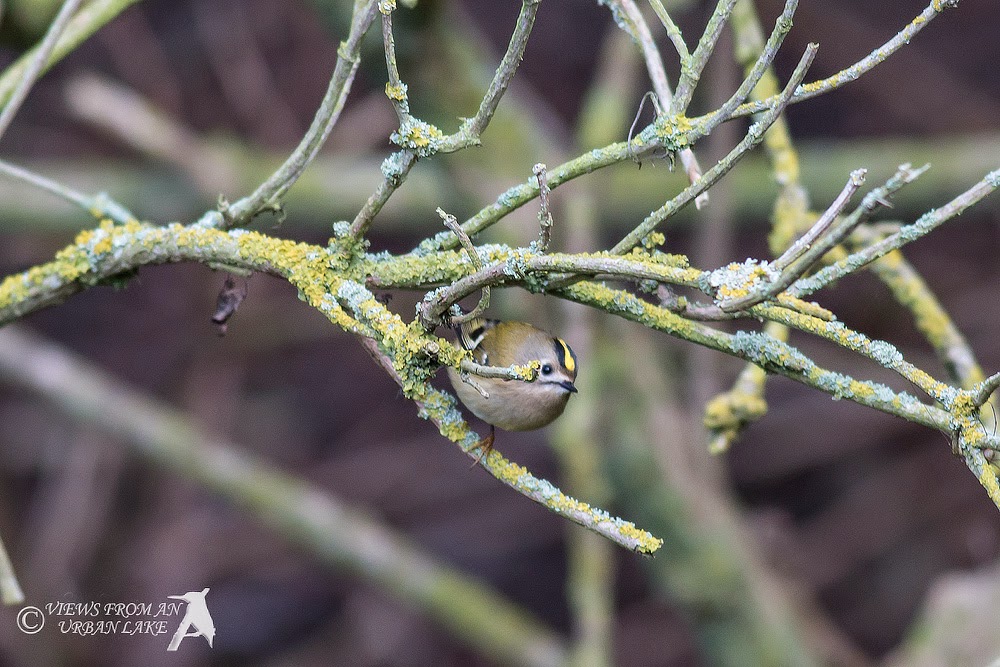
[736, 281]
[769, 352]
[886, 354]
[418, 135]
[393, 167]
[673, 131]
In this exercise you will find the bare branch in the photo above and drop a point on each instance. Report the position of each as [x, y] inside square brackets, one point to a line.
[269, 194]
[37, 63]
[806, 241]
[789, 274]
[925, 224]
[692, 68]
[751, 140]
[855, 71]
[544, 213]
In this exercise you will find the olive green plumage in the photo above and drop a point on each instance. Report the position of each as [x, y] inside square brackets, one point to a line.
[514, 405]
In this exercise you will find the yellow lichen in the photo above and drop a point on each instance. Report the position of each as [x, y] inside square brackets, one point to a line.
[730, 410]
[861, 390]
[988, 478]
[395, 93]
[806, 307]
[672, 131]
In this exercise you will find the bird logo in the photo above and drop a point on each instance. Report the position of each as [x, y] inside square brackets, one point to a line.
[197, 621]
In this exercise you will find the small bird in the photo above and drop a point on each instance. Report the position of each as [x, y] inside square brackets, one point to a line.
[514, 405]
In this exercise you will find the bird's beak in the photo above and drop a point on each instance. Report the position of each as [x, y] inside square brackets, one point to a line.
[568, 386]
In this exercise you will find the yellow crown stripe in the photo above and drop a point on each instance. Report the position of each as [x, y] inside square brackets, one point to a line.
[569, 361]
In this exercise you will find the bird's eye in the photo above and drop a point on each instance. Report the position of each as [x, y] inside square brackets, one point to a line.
[547, 369]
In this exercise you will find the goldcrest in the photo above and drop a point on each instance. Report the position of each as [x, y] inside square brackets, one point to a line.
[514, 405]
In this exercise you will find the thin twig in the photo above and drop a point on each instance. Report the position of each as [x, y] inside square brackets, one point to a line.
[395, 88]
[790, 274]
[805, 241]
[544, 212]
[855, 71]
[673, 32]
[692, 68]
[521, 373]
[639, 31]
[467, 378]
[395, 170]
[37, 64]
[100, 205]
[396, 167]
[473, 128]
[752, 139]
[657, 111]
[907, 234]
[269, 193]
[484, 301]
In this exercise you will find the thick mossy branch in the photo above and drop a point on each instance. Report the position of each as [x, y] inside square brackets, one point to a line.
[338, 279]
[338, 290]
[325, 283]
[337, 287]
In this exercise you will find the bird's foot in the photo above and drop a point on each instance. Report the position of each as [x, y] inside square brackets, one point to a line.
[485, 446]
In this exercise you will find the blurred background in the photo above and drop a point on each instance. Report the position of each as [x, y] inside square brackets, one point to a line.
[861, 528]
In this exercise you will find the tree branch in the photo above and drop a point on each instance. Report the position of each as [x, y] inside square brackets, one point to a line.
[753, 137]
[300, 512]
[268, 194]
[863, 66]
